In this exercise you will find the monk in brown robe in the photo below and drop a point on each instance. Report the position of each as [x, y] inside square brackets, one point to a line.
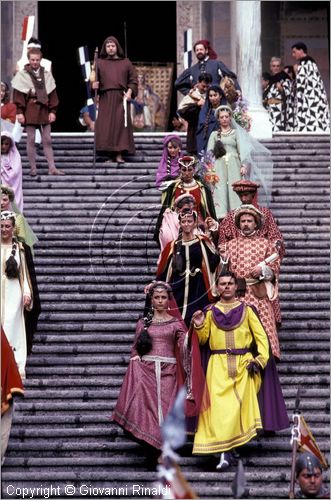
[116, 83]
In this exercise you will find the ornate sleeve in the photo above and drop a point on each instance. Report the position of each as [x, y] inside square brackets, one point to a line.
[203, 331]
[180, 332]
[139, 328]
[224, 231]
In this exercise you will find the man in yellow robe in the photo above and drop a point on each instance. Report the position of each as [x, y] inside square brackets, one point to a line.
[233, 377]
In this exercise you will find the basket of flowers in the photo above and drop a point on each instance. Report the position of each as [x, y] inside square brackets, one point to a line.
[206, 169]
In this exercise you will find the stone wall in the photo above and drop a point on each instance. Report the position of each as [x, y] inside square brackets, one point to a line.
[12, 15]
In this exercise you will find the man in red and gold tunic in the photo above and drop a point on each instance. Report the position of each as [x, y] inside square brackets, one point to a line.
[247, 192]
[255, 258]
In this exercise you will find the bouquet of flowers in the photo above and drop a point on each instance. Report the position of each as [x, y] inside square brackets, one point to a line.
[206, 169]
[240, 114]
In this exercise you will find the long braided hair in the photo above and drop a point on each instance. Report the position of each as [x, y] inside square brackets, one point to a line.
[170, 161]
[11, 266]
[178, 262]
[219, 148]
[144, 342]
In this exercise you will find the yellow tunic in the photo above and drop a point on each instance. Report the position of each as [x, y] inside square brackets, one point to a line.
[233, 417]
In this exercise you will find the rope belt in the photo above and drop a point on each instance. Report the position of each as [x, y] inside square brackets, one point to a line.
[157, 363]
[228, 351]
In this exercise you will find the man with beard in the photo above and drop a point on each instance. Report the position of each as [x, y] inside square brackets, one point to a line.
[207, 63]
[117, 84]
[255, 259]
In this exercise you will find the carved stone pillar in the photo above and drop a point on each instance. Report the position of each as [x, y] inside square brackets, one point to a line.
[22, 9]
[12, 15]
[189, 15]
[247, 24]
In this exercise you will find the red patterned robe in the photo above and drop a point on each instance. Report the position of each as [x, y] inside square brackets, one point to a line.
[228, 231]
[246, 252]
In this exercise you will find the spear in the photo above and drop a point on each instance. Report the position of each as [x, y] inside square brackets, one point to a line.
[295, 436]
[94, 77]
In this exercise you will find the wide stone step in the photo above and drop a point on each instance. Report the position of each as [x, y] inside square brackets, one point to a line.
[61, 430]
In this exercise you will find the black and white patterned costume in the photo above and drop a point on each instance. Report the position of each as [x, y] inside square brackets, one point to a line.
[311, 109]
[278, 102]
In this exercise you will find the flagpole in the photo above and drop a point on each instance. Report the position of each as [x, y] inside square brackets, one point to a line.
[95, 59]
[295, 438]
[294, 441]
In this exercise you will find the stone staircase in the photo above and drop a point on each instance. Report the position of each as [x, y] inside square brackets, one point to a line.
[94, 257]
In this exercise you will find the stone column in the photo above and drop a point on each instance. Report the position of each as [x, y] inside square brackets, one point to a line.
[189, 15]
[12, 15]
[22, 9]
[247, 23]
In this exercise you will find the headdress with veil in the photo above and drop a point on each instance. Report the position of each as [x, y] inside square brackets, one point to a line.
[168, 167]
[11, 169]
[23, 229]
[256, 157]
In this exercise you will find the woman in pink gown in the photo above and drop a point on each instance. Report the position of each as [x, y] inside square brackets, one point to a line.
[155, 371]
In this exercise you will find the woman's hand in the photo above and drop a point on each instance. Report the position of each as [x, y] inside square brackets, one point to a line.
[26, 300]
[51, 117]
[198, 318]
[95, 85]
[128, 94]
[211, 224]
[243, 170]
[20, 118]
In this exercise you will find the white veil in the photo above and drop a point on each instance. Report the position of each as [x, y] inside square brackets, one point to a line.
[258, 160]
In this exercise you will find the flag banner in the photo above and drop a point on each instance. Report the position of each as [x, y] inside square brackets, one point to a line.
[27, 28]
[188, 48]
[84, 61]
[85, 64]
[306, 442]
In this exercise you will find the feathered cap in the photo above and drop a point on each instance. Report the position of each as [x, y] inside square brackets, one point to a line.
[245, 186]
[250, 210]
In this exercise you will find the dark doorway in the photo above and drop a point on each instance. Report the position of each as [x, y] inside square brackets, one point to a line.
[65, 26]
